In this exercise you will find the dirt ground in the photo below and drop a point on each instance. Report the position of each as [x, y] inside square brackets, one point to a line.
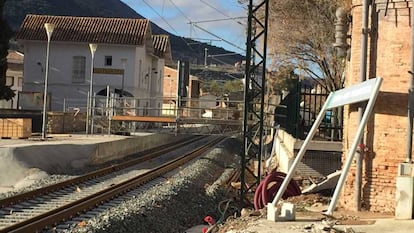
[309, 210]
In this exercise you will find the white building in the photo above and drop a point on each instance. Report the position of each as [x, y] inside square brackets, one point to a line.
[14, 77]
[127, 53]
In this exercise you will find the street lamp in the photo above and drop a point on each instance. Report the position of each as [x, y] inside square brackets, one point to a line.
[93, 48]
[49, 30]
[123, 61]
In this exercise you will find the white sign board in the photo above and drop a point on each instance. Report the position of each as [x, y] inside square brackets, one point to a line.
[354, 94]
[367, 90]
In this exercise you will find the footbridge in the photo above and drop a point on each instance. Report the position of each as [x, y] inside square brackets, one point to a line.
[124, 115]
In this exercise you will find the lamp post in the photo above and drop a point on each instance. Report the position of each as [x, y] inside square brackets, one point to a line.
[92, 48]
[123, 61]
[49, 30]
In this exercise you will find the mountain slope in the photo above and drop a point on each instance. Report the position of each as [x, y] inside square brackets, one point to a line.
[15, 11]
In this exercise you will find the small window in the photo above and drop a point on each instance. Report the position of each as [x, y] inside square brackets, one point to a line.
[9, 80]
[78, 69]
[108, 60]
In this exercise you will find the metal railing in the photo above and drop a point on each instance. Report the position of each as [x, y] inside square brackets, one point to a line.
[295, 113]
[299, 109]
[104, 108]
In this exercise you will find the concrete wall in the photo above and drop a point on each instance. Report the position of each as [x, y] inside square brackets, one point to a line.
[284, 149]
[117, 149]
[319, 159]
[60, 155]
[386, 133]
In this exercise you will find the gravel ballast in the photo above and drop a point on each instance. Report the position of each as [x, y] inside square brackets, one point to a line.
[181, 200]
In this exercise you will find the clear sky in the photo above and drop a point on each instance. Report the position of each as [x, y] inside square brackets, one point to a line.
[175, 17]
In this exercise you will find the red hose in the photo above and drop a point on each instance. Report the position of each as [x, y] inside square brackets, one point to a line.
[267, 189]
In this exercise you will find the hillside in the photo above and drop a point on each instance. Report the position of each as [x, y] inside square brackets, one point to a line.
[182, 49]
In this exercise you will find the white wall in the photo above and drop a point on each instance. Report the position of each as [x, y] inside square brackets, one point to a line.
[139, 73]
[156, 85]
[60, 70]
[113, 80]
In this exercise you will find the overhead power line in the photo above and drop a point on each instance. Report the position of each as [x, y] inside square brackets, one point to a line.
[194, 23]
[179, 10]
[219, 11]
[162, 17]
[215, 20]
[228, 42]
[222, 55]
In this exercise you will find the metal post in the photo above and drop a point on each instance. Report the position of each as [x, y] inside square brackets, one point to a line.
[170, 110]
[49, 30]
[92, 111]
[411, 97]
[111, 113]
[92, 48]
[352, 149]
[253, 124]
[301, 152]
[363, 77]
[107, 100]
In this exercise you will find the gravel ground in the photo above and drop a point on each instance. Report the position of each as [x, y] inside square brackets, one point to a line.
[180, 202]
[48, 180]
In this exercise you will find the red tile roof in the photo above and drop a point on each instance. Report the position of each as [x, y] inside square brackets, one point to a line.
[161, 44]
[86, 29]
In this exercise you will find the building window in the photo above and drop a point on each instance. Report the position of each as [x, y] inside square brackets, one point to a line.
[9, 80]
[108, 60]
[20, 81]
[78, 69]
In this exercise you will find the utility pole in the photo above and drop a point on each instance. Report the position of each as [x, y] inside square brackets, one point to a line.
[254, 92]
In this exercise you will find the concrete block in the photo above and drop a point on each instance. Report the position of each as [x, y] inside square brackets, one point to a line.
[288, 212]
[406, 169]
[272, 212]
[405, 197]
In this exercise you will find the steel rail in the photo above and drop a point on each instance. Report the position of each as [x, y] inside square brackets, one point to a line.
[70, 210]
[42, 191]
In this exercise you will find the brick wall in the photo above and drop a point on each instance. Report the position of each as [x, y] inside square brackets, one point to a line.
[386, 132]
[65, 122]
[170, 83]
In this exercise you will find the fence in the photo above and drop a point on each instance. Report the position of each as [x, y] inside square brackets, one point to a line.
[197, 110]
[295, 114]
[299, 109]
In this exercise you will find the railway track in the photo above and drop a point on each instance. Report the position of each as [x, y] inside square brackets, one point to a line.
[43, 208]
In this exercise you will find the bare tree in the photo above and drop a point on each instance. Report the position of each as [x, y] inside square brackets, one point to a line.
[301, 34]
